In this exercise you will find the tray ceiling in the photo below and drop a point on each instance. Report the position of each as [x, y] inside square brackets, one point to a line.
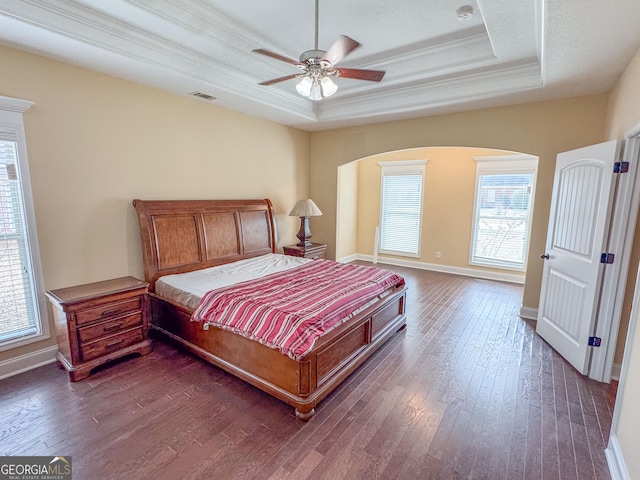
[508, 52]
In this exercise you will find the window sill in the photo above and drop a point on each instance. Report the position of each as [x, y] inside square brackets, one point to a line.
[499, 266]
[21, 341]
[398, 254]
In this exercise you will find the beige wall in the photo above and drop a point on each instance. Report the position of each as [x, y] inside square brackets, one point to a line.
[96, 142]
[624, 114]
[347, 211]
[447, 209]
[543, 129]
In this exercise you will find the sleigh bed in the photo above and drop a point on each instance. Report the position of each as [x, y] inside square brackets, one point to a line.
[180, 236]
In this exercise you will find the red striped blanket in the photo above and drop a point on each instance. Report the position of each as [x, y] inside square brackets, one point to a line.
[289, 310]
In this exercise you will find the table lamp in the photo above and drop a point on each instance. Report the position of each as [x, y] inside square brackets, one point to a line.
[304, 209]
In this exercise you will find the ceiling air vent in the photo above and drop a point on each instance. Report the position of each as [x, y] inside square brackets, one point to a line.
[204, 96]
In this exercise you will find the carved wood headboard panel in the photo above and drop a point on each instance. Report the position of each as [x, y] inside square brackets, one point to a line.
[184, 235]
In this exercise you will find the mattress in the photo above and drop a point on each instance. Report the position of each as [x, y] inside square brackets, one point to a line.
[188, 288]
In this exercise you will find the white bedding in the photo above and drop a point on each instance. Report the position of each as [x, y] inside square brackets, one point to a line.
[188, 288]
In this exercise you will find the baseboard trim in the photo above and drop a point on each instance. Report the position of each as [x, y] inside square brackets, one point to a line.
[529, 313]
[617, 467]
[28, 361]
[615, 371]
[349, 258]
[467, 272]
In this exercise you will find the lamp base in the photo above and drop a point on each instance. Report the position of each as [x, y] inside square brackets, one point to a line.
[304, 234]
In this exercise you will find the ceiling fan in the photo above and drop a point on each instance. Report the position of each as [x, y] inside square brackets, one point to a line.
[318, 66]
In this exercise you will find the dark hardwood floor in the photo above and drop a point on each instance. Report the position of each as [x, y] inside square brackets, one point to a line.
[467, 391]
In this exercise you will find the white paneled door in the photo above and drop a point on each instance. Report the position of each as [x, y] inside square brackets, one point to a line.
[583, 191]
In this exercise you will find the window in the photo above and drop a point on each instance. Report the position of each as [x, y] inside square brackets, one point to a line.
[503, 207]
[20, 276]
[401, 207]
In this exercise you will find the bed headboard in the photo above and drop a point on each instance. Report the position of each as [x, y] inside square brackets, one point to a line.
[184, 235]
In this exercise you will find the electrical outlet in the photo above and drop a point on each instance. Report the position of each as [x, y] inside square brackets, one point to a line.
[438, 254]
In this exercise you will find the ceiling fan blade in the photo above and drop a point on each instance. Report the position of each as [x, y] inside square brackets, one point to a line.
[340, 49]
[371, 75]
[281, 79]
[262, 51]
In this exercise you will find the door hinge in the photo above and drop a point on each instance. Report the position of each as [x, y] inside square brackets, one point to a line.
[595, 341]
[607, 258]
[621, 167]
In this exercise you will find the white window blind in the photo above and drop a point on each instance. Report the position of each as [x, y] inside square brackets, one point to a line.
[22, 317]
[401, 207]
[18, 304]
[503, 208]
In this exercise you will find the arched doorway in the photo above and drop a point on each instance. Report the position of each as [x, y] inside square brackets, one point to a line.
[450, 218]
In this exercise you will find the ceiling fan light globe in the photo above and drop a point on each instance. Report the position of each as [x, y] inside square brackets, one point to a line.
[316, 92]
[328, 87]
[304, 86]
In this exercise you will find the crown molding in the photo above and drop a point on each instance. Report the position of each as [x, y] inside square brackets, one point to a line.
[464, 45]
[506, 158]
[15, 104]
[435, 93]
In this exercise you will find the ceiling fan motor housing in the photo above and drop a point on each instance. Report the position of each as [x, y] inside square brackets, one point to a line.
[312, 56]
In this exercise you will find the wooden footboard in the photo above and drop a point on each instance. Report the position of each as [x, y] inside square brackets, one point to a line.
[301, 384]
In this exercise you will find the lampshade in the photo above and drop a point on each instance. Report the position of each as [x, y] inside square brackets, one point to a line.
[316, 92]
[305, 208]
[328, 87]
[304, 87]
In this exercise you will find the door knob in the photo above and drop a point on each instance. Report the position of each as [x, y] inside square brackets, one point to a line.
[544, 256]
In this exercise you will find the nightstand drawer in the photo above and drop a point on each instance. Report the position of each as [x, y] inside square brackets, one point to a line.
[109, 327]
[111, 343]
[108, 310]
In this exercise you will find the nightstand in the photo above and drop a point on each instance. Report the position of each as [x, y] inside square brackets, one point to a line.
[99, 322]
[315, 250]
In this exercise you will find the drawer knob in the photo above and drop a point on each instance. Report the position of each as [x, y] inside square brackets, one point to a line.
[110, 313]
